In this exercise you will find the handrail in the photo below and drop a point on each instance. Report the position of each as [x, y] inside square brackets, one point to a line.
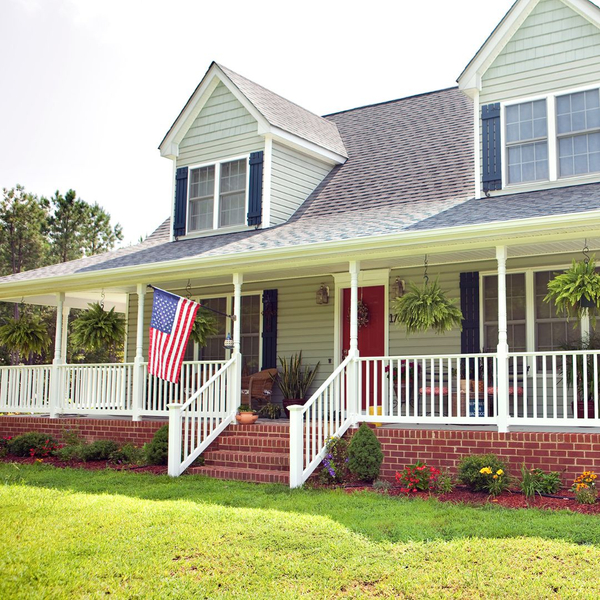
[208, 383]
[326, 383]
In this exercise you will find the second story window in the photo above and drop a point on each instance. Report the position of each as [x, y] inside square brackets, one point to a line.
[527, 141]
[578, 130]
[217, 196]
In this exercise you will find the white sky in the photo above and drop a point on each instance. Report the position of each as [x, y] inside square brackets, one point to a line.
[88, 88]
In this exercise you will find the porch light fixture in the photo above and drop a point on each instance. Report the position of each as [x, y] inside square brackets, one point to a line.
[398, 288]
[228, 344]
[323, 294]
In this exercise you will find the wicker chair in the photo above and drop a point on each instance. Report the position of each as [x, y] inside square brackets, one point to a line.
[258, 386]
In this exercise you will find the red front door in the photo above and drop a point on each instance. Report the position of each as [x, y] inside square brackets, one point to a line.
[371, 336]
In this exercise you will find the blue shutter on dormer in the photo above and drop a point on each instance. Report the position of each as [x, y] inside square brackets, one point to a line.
[255, 191]
[181, 179]
[490, 147]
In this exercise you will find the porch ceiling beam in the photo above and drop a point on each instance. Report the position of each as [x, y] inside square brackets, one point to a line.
[562, 227]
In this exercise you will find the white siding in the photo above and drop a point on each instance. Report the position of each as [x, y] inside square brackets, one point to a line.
[224, 128]
[294, 177]
[555, 48]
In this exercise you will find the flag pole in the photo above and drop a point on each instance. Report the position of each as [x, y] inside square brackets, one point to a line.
[232, 317]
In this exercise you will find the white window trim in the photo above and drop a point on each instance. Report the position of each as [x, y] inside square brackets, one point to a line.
[216, 198]
[229, 297]
[530, 320]
[552, 138]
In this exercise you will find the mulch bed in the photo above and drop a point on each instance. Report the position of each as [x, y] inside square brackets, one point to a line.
[514, 499]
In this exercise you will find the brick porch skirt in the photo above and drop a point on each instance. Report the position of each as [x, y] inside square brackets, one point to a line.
[569, 453]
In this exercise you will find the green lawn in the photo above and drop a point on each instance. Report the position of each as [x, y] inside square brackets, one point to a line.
[74, 533]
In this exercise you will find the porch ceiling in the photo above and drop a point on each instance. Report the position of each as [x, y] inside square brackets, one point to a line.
[112, 299]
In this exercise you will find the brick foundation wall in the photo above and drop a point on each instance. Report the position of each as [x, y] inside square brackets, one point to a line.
[568, 452]
[120, 430]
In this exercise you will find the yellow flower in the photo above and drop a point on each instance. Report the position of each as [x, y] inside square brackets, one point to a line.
[499, 472]
[486, 471]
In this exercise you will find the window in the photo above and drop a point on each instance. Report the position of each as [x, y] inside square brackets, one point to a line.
[250, 331]
[526, 141]
[217, 196]
[516, 312]
[578, 130]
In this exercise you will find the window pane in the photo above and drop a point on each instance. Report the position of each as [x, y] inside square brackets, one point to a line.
[578, 112]
[202, 189]
[214, 349]
[576, 154]
[250, 332]
[515, 307]
[526, 121]
[528, 162]
[233, 193]
[201, 214]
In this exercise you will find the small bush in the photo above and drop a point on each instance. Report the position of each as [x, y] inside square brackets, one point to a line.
[32, 444]
[157, 451]
[98, 450]
[536, 481]
[585, 488]
[270, 411]
[335, 463]
[68, 453]
[364, 454]
[4, 441]
[382, 485]
[127, 455]
[469, 471]
[417, 478]
[72, 437]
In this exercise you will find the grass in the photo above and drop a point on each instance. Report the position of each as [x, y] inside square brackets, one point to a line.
[72, 533]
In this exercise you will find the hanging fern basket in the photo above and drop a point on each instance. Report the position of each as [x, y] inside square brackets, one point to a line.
[427, 308]
[96, 328]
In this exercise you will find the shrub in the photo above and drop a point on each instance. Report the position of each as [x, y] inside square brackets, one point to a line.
[72, 437]
[417, 477]
[495, 481]
[364, 454]
[32, 444]
[585, 489]
[382, 485]
[469, 470]
[444, 483]
[4, 441]
[98, 450]
[72, 452]
[127, 455]
[535, 481]
[335, 463]
[157, 451]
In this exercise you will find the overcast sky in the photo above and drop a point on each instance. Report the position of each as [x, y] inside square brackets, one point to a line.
[88, 88]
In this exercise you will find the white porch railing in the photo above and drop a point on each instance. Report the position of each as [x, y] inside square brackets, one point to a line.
[91, 389]
[194, 425]
[25, 388]
[326, 414]
[157, 394]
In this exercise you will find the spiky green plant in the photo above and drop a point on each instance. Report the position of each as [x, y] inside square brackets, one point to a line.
[204, 325]
[294, 380]
[96, 328]
[426, 307]
[568, 289]
[26, 335]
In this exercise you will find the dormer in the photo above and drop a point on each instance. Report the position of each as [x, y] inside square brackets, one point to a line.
[244, 157]
[536, 87]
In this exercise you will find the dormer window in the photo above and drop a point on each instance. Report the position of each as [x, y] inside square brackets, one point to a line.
[578, 130]
[527, 141]
[217, 196]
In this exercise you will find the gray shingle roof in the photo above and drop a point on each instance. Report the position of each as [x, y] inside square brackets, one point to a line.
[410, 167]
[288, 116]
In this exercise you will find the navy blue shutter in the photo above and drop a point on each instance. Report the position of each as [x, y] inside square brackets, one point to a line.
[179, 218]
[255, 191]
[491, 148]
[469, 305]
[269, 333]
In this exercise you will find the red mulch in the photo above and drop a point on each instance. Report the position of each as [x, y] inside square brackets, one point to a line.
[97, 465]
[506, 500]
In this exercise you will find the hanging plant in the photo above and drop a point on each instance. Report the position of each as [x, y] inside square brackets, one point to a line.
[421, 309]
[25, 335]
[363, 314]
[204, 325]
[96, 329]
[574, 290]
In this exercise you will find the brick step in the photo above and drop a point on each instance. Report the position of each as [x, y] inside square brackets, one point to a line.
[247, 444]
[241, 474]
[252, 460]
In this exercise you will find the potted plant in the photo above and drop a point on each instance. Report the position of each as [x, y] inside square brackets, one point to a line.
[203, 326]
[245, 415]
[96, 328]
[576, 290]
[294, 380]
[25, 336]
[426, 307]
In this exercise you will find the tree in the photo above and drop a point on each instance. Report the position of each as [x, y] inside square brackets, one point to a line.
[76, 228]
[22, 226]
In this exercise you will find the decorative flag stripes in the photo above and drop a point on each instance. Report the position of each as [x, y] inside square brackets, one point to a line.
[170, 328]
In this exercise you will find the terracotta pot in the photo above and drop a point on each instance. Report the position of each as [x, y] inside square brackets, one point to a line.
[287, 403]
[246, 418]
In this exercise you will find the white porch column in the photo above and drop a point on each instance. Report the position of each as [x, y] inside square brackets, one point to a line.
[175, 439]
[502, 350]
[138, 367]
[296, 446]
[56, 375]
[65, 333]
[236, 380]
[353, 392]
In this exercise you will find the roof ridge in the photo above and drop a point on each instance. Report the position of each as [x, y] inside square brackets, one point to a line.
[454, 87]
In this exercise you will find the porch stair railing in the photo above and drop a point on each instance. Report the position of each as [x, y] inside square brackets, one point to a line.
[328, 413]
[195, 424]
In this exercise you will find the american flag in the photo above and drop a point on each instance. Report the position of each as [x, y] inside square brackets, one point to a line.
[170, 328]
